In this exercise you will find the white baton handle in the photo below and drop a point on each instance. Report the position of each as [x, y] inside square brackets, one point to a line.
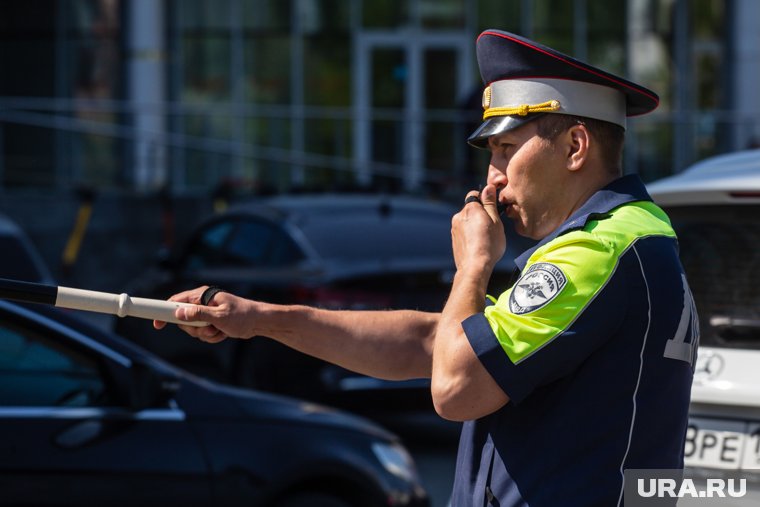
[122, 305]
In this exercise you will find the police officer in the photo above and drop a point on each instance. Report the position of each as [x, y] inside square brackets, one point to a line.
[579, 371]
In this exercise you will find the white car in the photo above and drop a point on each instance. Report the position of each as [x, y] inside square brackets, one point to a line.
[715, 209]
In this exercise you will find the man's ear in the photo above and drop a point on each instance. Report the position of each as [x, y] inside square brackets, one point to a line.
[578, 145]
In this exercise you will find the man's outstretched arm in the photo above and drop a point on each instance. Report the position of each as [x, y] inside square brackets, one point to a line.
[389, 344]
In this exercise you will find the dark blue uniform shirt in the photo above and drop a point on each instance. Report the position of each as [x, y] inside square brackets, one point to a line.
[594, 345]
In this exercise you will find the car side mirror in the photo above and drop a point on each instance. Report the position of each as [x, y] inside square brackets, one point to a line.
[149, 388]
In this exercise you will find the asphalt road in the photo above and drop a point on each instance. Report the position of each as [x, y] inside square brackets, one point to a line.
[436, 462]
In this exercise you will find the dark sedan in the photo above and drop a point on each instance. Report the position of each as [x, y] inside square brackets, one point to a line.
[332, 251]
[19, 257]
[88, 419]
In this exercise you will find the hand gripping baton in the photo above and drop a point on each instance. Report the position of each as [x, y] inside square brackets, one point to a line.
[122, 305]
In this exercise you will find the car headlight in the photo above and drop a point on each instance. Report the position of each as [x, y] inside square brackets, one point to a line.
[396, 460]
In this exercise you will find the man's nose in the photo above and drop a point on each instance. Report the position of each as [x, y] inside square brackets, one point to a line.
[497, 173]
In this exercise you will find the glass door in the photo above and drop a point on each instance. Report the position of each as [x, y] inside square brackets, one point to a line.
[408, 92]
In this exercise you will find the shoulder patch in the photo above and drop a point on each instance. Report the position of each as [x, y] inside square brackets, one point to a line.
[539, 285]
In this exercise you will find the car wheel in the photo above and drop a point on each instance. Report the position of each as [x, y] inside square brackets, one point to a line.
[314, 499]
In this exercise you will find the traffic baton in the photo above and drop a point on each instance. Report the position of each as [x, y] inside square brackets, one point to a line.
[122, 305]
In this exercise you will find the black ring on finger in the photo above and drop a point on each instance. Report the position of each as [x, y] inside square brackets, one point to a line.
[472, 198]
[209, 294]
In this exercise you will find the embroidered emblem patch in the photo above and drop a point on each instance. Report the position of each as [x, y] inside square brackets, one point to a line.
[539, 285]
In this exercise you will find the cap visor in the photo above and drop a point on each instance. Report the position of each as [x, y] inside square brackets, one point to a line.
[497, 125]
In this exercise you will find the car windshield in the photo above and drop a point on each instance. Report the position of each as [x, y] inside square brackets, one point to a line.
[720, 251]
[17, 261]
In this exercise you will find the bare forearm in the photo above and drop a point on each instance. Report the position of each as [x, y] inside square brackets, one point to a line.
[462, 389]
[452, 351]
[384, 344]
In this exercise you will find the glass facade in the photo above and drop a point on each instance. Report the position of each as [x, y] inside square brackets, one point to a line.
[284, 95]
[51, 51]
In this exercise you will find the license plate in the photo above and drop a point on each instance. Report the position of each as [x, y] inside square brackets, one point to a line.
[716, 443]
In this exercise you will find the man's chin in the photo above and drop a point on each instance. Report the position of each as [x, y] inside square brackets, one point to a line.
[522, 230]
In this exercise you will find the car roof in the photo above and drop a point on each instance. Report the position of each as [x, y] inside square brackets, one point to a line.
[315, 206]
[316, 215]
[725, 179]
[350, 228]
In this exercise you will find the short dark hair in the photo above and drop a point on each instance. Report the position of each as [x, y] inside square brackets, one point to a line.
[609, 136]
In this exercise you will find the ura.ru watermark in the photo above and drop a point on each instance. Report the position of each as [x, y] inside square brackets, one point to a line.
[647, 488]
[686, 488]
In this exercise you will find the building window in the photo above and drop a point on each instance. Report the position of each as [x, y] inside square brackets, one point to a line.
[268, 89]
